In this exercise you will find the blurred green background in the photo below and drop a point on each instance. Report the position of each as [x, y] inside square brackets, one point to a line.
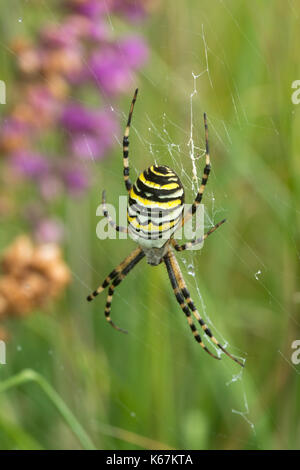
[155, 387]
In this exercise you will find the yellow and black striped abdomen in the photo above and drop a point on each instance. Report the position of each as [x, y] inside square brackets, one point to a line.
[155, 206]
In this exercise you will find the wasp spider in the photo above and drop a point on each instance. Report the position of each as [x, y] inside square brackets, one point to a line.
[155, 208]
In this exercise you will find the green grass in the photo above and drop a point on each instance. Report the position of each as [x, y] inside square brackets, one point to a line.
[114, 391]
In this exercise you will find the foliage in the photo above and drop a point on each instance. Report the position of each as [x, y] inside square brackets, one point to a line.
[156, 384]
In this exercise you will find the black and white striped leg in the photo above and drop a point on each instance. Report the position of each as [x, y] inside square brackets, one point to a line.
[205, 176]
[196, 241]
[105, 212]
[184, 291]
[206, 170]
[127, 181]
[127, 268]
[181, 301]
[114, 274]
[206, 330]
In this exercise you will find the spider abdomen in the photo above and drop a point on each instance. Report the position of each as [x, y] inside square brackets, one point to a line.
[155, 206]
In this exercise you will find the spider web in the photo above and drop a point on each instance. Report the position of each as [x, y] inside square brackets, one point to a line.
[180, 153]
[188, 160]
[187, 157]
[154, 138]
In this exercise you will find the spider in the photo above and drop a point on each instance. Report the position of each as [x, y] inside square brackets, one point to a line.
[155, 207]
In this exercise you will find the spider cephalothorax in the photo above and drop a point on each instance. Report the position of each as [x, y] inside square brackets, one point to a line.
[154, 213]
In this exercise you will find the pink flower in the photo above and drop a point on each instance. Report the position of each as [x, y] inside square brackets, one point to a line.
[113, 66]
[51, 186]
[98, 31]
[49, 231]
[77, 118]
[134, 50]
[88, 147]
[91, 131]
[13, 134]
[134, 11]
[110, 71]
[90, 8]
[59, 36]
[63, 61]
[76, 179]
[43, 103]
[29, 164]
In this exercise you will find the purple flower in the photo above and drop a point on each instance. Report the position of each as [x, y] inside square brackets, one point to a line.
[112, 67]
[92, 132]
[134, 50]
[50, 186]
[59, 36]
[77, 118]
[98, 31]
[68, 34]
[12, 126]
[76, 180]
[88, 147]
[110, 71]
[13, 130]
[41, 100]
[90, 8]
[80, 50]
[29, 164]
[132, 10]
[49, 231]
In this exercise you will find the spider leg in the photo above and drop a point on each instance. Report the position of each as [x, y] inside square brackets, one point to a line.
[196, 241]
[180, 299]
[131, 262]
[118, 228]
[183, 288]
[114, 274]
[127, 181]
[205, 176]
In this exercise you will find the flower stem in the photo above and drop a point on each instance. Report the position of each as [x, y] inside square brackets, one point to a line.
[29, 375]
